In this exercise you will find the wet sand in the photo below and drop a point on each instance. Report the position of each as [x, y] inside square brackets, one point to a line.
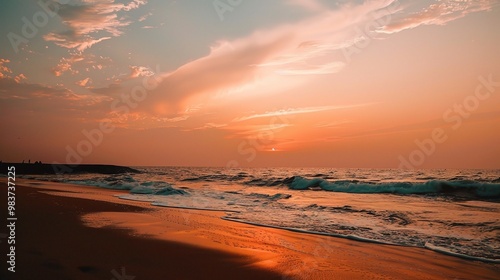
[53, 243]
[75, 232]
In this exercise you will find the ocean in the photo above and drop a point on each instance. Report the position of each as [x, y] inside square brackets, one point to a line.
[455, 212]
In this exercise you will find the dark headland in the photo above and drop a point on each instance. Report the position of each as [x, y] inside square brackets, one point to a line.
[44, 168]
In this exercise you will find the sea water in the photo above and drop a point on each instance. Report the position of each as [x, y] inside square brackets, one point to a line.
[451, 211]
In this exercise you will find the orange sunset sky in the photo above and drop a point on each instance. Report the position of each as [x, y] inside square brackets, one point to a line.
[251, 83]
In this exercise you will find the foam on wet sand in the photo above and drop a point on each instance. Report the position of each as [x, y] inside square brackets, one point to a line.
[287, 254]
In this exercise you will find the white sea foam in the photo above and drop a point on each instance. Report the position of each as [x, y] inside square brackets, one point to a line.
[452, 211]
[451, 253]
[192, 208]
[352, 237]
[467, 228]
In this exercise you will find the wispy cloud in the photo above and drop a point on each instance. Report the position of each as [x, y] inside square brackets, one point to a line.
[4, 69]
[174, 119]
[84, 61]
[84, 21]
[6, 72]
[439, 13]
[255, 130]
[213, 125]
[144, 17]
[83, 82]
[65, 64]
[319, 39]
[20, 97]
[296, 111]
[110, 90]
[19, 78]
[140, 71]
[70, 40]
[309, 47]
[323, 125]
[312, 5]
[424, 125]
[321, 69]
[23, 98]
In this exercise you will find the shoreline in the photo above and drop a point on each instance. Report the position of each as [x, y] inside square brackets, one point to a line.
[349, 237]
[39, 168]
[264, 250]
[53, 243]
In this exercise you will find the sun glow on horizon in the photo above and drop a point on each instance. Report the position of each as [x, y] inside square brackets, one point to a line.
[321, 82]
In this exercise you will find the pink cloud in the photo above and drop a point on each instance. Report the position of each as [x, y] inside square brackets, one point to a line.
[110, 90]
[20, 98]
[20, 77]
[93, 16]
[295, 111]
[86, 60]
[140, 71]
[65, 64]
[144, 17]
[4, 70]
[439, 14]
[83, 82]
[79, 43]
[310, 47]
[312, 5]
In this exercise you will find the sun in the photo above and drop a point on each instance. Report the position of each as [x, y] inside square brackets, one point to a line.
[273, 149]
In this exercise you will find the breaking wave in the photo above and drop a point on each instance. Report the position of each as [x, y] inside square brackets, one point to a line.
[127, 182]
[459, 188]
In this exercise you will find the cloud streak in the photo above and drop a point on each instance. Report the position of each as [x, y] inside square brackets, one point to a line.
[26, 98]
[65, 64]
[83, 62]
[296, 111]
[84, 21]
[306, 48]
[83, 82]
[4, 70]
[439, 13]
[140, 71]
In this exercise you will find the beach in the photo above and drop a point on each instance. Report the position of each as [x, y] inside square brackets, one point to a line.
[78, 232]
[231, 139]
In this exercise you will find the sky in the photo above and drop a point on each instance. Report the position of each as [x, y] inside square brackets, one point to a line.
[240, 83]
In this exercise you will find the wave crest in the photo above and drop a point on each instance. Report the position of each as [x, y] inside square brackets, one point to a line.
[459, 188]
